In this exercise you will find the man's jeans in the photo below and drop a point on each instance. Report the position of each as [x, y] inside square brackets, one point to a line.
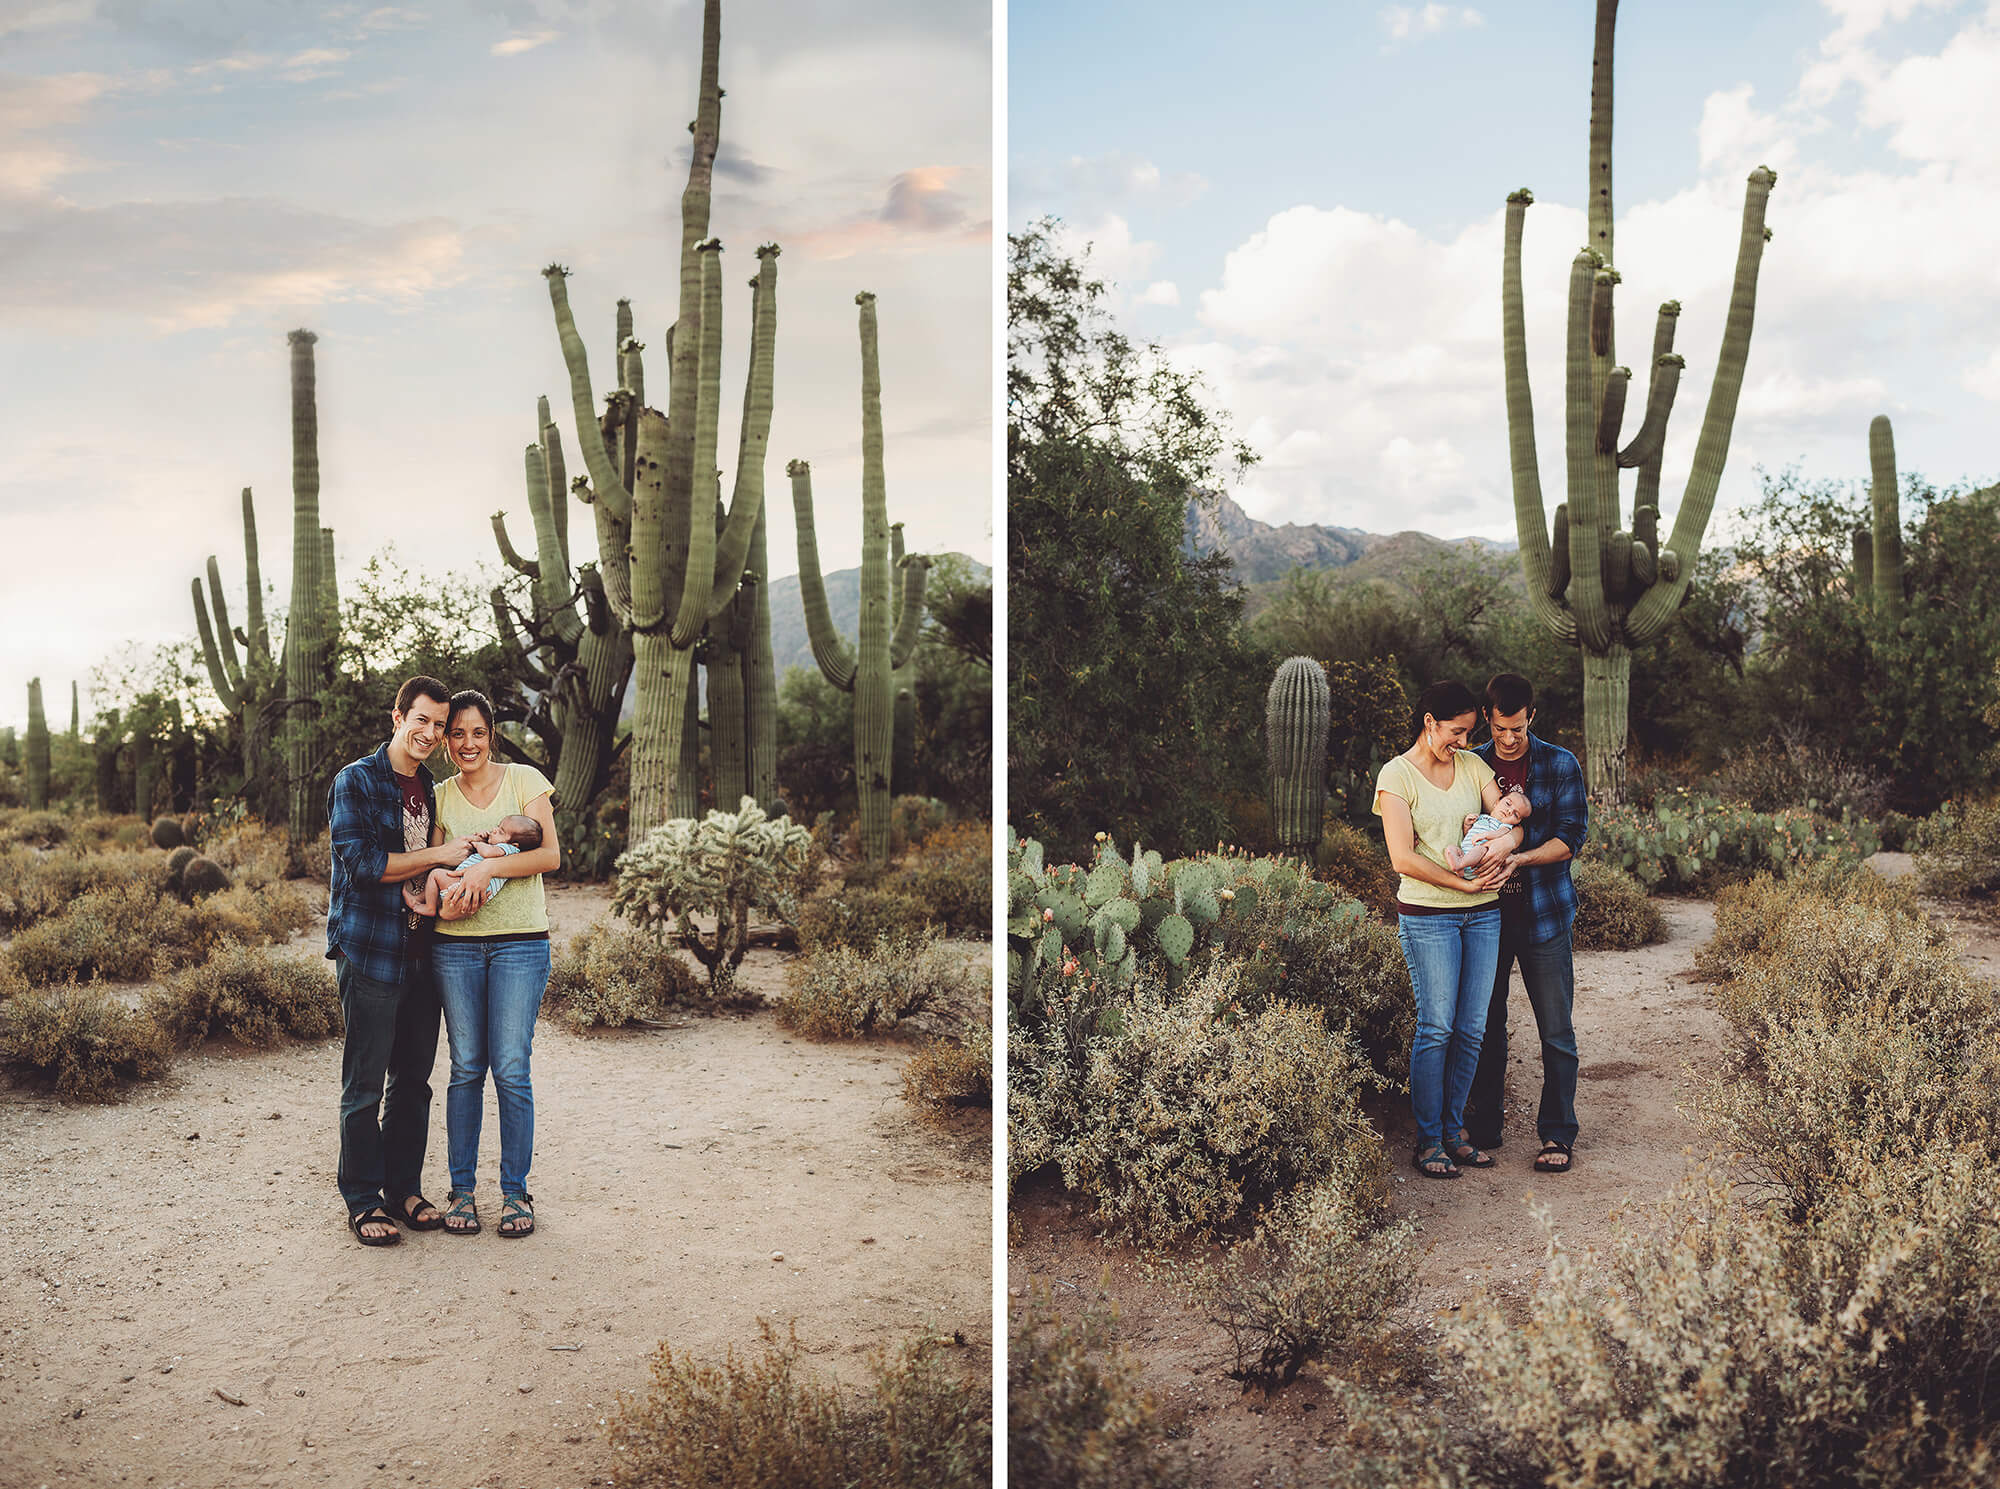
[492, 992]
[1450, 957]
[1549, 976]
[385, 1063]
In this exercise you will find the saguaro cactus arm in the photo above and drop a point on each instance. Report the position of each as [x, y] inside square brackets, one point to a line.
[693, 612]
[916, 570]
[218, 652]
[746, 501]
[608, 484]
[508, 553]
[1544, 589]
[1587, 520]
[836, 662]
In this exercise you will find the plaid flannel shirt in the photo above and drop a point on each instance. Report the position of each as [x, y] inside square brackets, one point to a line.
[1561, 810]
[366, 920]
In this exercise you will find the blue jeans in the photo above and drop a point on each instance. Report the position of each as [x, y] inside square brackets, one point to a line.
[1451, 958]
[492, 992]
[1548, 974]
[389, 1043]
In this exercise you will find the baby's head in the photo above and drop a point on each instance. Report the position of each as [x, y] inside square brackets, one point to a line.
[1513, 807]
[523, 832]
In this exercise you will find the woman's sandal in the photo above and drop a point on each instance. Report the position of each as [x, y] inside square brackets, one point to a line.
[1434, 1163]
[514, 1209]
[401, 1207]
[374, 1215]
[1545, 1161]
[462, 1209]
[1466, 1154]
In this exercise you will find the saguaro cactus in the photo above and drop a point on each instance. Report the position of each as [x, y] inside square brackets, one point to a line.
[247, 685]
[682, 572]
[867, 671]
[1600, 586]
[38, 748]
[1878, 556]
[75, 713]
[306, 636]
[1298, 713]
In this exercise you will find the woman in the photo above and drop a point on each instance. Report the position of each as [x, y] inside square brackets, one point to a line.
[491, 954]
[1449, 925]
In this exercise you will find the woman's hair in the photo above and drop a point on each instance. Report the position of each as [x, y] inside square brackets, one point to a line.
[1441, 700]
[469, 698]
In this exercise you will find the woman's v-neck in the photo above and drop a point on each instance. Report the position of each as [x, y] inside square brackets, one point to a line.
[486, 805]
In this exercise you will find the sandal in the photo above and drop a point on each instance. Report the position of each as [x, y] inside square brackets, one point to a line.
[1467, 1154]
[514, 1209]
[1434, 1163]
[1546, 1161]
[400, 1206]
[462, 1210]
[374, 1215]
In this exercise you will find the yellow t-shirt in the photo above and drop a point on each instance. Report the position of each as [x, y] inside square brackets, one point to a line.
[521, 910]
[1438, 816]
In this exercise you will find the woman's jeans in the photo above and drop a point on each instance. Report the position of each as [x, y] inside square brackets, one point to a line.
[492, 991]
[1451, 959]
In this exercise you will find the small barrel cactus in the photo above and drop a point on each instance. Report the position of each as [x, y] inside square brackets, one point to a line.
[1298, 715]
[177, 862]
[167, 833]
[202, 876]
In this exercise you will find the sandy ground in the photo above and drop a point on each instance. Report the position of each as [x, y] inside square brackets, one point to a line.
[688, 1182]
[1644, 1027]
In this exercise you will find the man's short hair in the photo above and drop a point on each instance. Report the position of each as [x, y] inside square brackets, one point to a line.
[421, 687]
[1508, 693]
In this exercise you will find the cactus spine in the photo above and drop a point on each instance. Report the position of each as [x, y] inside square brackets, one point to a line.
[1298, 713]
[682, 574]
[305, 627]
[247, 685]
[1601, 586]
[38, 748]
[868, 671]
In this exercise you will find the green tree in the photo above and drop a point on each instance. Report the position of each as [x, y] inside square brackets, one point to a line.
[1134, 699]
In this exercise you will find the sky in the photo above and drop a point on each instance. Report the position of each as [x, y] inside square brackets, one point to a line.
[184, 181]
[1305, 204]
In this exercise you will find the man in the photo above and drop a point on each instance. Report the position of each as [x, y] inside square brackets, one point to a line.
[1537, 907]
[380, 811]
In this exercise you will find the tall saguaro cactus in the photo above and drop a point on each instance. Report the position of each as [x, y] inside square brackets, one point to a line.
[246, 685]
[867, 671]
[38, 748]
[1878, 555]
[306, 636]
[1602, 586]
[75, 713]
[679, 569]
[1298, 714]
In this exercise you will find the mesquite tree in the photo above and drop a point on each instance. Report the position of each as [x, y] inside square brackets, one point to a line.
[867, 672]
[1601, 586]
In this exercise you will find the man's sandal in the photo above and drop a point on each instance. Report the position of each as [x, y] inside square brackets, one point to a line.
[1434, 1163]
[374, 1215]
[1467, 1154]
[1548, 1162]
[515, 1209]
[401, 1206]
[462, 1219]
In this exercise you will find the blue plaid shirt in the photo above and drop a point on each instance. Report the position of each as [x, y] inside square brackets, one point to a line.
[366, 920]
[1561, 810]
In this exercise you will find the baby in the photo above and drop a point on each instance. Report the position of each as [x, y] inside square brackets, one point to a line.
[1490, 836]
[511, 836]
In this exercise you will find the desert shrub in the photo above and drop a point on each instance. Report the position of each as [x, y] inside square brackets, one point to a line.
[746, 1424]
[948, 1074]
[252, 852]
[1958, 853]
[131, 835]
[1750, 917]
[11, 980]
[949, 873]
[1076, 1416]
[612, 975]
[275, 912]
[1322, 1274]
[1355, 863]
[839, 993]
[82, 1040]
[167, 833]
[1900, 834]
[1789, 770]
[126, 931]
[32, 828]
[97, 830]
[248, 996]
[914, 818]
[1612, 911]
[726, 865]
[1686, 842]
[857, 918]
[1179, 1116]
[34, 886]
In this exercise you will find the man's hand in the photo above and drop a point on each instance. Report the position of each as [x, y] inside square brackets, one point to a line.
[1493, 875]
[450, 853]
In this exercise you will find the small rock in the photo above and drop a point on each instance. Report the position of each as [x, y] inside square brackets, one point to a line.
[232, 1400]
[77, 1415]
[194, 1137]
[524, 1389]
[777, 1256]
[867, 1240]
[274, 1116]
[300, 1391]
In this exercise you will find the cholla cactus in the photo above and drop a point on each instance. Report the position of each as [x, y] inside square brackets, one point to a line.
[725, 865]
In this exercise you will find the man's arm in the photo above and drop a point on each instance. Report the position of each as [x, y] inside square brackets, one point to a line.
[1569, 820]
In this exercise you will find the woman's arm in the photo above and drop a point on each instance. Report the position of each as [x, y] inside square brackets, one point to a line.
[471, 886]
[1400, 833]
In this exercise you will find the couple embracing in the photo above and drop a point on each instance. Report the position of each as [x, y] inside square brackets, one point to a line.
[1483, 839]
[417, 925]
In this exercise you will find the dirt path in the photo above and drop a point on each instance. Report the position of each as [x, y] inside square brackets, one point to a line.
[191, 1242]
[1641, 1026]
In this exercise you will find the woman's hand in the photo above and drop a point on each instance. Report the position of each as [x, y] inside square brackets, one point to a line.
[468, 891]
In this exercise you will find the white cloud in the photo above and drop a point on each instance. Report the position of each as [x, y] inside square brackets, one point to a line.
[1983, 378]
[313, 63]
[1414, 22]
[1160, 292]
[514, 45]
[29, 164]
